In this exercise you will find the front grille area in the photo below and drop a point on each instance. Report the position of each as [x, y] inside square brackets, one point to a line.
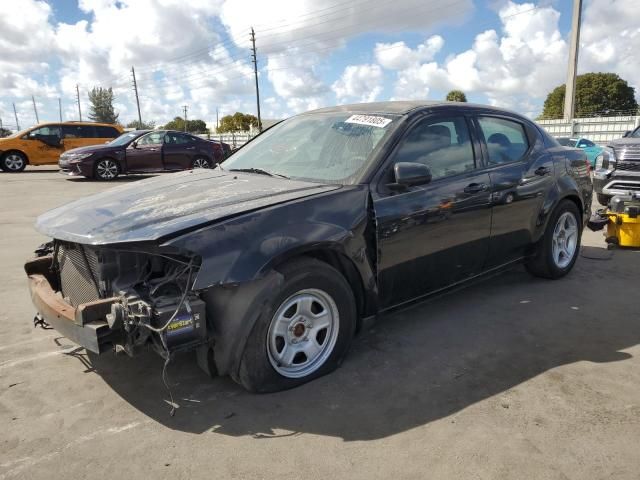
[78, 266]
[623, 186]
[629, 152]
[628, 166]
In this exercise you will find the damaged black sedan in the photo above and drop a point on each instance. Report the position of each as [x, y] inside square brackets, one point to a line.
[267, 267]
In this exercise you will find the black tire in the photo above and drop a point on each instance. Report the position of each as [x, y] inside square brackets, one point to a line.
[13, 162]
[106, 169]
[603, 199]
[199, 162]
[256, 372]
[542, 264]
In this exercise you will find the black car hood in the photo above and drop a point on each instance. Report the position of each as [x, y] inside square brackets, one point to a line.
[150, 209]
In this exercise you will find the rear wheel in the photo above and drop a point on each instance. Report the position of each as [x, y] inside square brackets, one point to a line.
[558, 249]
[106, 169]
[304, 334]
[201, 162]
[13, 162]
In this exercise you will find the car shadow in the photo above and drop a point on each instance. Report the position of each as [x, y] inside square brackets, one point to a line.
[415, 366]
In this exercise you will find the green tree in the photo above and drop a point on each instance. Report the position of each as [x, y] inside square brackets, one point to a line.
[4, 132]
[456, 96]
[141, 126]
[101, 109]
[193, 126]
[238, 122]
[596, 93]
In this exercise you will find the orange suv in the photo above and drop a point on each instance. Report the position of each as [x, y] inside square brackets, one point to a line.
[44, 143]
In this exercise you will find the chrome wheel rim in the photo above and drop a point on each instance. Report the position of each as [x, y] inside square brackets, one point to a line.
[200, 163]
[13, 162]
[107, 169]
[303, 333]
[565, 240]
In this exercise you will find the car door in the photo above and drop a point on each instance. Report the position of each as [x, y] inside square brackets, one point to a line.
[178, 151]
[431, 236]
[145, 154]
[44, 145]
[521, 173]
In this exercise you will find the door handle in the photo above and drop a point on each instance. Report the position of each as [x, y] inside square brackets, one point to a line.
[190, 148]
[475, 188]
[542, 171]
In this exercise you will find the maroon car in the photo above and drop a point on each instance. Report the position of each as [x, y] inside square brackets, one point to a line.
[142, 151]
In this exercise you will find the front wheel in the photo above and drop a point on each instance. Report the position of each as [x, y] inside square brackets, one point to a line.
[13, 162]
[106, 170]
[304, 334]
[201, 162]
[558, 249]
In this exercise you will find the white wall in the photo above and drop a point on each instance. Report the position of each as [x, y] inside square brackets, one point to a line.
[597, 129]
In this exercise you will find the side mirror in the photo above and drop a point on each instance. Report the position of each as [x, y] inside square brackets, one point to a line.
[408, 174]
[134, 144]
[626, 134]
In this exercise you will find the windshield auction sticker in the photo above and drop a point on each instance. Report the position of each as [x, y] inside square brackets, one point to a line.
[371, 120]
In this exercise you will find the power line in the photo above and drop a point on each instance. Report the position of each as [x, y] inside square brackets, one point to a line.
[15, 112]
[135, 89]
[78, 100]
[255, 72]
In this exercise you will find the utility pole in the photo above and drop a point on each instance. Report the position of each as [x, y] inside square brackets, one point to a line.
[78, 100]
[135, 89]
[217, 120]
[35, 110]
[570, 90]
[255, 73]
[60, 108]
[16, 115]
[184, 109]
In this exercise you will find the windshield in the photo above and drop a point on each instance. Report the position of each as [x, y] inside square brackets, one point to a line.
[322, 147]
[124, 139]
[635, 133]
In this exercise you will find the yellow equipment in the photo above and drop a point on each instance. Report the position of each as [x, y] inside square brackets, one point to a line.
[623, 227]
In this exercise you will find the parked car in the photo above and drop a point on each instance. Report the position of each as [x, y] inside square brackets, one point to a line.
[617, 169]
[268, 267]
[142, 151]
[44, 143]
[590, 149]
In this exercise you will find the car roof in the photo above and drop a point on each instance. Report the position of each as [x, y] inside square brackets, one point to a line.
[402, 107]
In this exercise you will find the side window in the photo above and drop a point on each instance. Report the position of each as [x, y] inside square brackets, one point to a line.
[173, 138]
[106, 132]
[584, 143]
[48, 131]
[506, 140]
[441, 144]
[153, 138]
[78, 131]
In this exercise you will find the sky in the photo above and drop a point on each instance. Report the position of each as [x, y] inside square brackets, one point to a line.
[311, 53]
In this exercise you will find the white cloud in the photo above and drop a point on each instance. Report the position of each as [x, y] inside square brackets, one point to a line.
[526, 61]
[362, 83]
[611, 39]
[398, 56]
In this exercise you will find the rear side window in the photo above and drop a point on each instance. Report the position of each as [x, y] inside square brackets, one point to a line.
[79, 131]
[106, 132]
[178, 138]
[506, 140]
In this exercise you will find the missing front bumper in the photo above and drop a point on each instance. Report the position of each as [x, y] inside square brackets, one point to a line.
[85, 324]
